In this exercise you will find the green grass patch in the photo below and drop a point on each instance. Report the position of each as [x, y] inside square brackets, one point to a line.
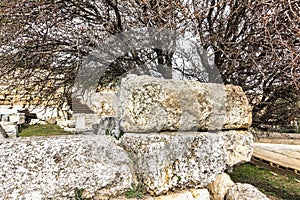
[278, 186]
[41, 130]
[137, 191]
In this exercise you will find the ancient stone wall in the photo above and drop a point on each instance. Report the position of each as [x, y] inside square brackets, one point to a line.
[158, 148]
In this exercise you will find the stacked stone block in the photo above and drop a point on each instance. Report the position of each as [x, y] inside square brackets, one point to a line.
[176, 137]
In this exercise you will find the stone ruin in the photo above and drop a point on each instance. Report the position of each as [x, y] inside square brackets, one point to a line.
[171, 139]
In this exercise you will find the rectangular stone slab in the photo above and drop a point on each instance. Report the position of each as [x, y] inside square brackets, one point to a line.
[168, 161]
[148, 104]
[52, 167]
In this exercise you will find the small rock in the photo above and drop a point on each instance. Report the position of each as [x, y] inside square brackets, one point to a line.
[220, 186]
[245, 191]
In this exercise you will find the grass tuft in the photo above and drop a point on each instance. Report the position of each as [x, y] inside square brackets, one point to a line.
[136, 191]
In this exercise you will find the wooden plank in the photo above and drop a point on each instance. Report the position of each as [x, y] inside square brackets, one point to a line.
[276, 170]
[277, 158]
[280, 141]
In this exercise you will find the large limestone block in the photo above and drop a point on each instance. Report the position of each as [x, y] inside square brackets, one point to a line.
[51, 168]
[245, 191]
[169, 160]
[175, 160]
[152, 105]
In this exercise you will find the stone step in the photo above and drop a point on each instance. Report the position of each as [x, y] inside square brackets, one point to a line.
[78, 107]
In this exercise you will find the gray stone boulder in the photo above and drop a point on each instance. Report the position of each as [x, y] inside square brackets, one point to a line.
[52, 167]
[166, 161]
[153, 105]
[245, 192]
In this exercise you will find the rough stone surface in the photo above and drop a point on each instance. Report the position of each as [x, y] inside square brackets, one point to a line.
[52, 167]
[238, 145]
[245, 192]
[35, 168]
[184, 195]
[219, 187]
[200, 194]
[152, 105]
[175, 160]
[104, 103]
[191, 194]
[84, 122]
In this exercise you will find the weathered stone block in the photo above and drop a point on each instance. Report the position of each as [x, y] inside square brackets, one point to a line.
[165, 161]
[51, 168]
[152, 105]
[238, 145]
[175, 160]
[84, 122]
[104, 103]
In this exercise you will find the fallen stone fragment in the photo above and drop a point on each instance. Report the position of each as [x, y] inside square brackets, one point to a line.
[219, 187]
[245, 192]
[200, 194]
[184, 195]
